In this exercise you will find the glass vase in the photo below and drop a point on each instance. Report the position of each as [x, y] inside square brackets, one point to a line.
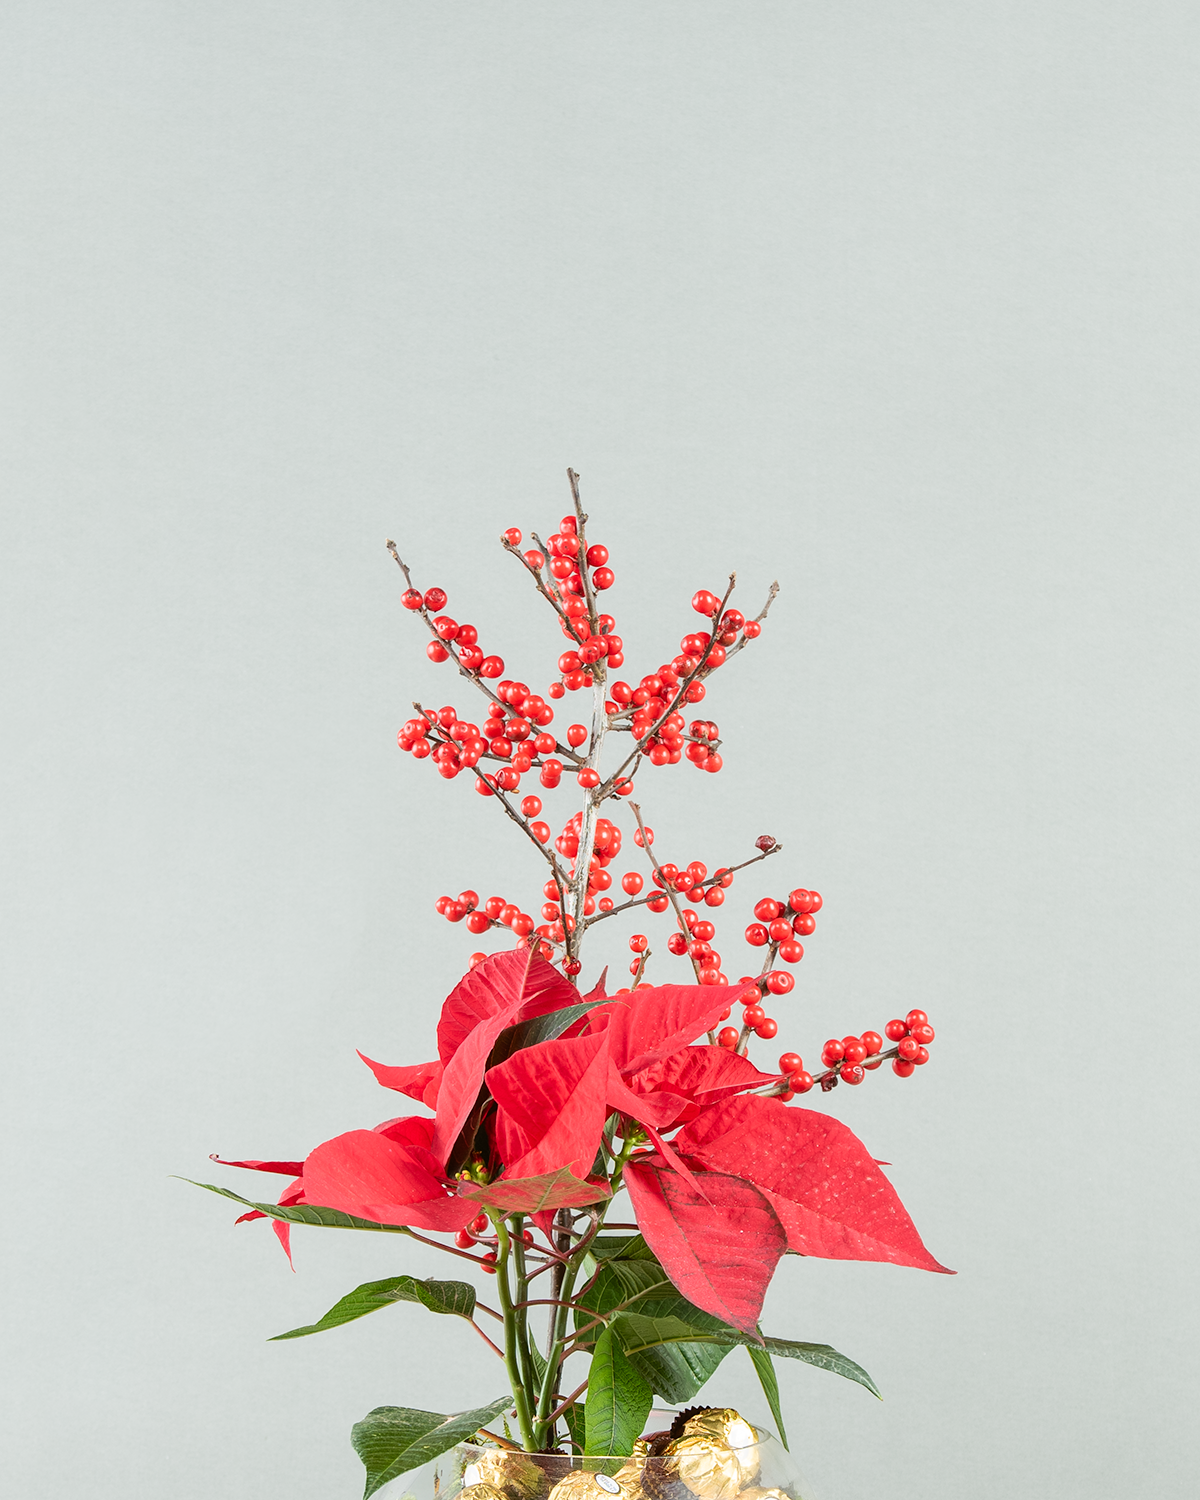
[753, 1465]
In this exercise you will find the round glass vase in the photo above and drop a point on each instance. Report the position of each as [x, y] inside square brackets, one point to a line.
[759, 1470]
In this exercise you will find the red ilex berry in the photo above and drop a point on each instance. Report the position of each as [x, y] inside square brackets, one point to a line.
[576, 734]
[832, 1052]
[780, 930]
[894, 1030]
[489, 1263]
[435, 599]
[492, 666]
[513, 536]
[924, 1033]
[677, 944]
[704, 602]
[855, 1049]
[916, 1018]
[921, 1058]
[757, 935]
[902, 1068]
[767, 1029]
[727, 1037]
[597, 555]
[805, 924]
[531, 806]
[873, 1042]
[478, 922]
[639, 942]
[779, 981]
[463, 1240]
[764, 842]
[790, 1062]
[572, 966]
[535, 559]
[801, 1082]
[852, 1073]
[588, 777]
[754, 1015]
[411, 599]
[603, 578]
[908, 1047]
[791, 951]
[435, 651]
[658, 903]
[752, 629]
[631, 882]
[541, 832]
[767, 910]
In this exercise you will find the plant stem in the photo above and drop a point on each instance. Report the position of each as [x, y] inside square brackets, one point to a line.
[511, 1354]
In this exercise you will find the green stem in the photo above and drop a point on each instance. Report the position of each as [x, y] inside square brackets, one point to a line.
[544, 1421]
[521, 1307]
[512, 1361]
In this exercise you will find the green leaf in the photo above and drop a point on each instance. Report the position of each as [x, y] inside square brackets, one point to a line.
[618, 1400]
[576, 1421]
[824, 1358]
[453, 1297]
[761, 1361]
[640, 1333]
[621, 1247]
[304, 1213]
[391, 1440]
[618, 1282]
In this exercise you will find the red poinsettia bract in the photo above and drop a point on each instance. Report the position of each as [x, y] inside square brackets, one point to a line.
[726, 1181]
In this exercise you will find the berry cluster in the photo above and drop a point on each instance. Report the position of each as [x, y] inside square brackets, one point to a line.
[515, 740]
[912, 1037]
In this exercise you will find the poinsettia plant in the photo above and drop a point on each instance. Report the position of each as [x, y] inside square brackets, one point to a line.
[544, 1103]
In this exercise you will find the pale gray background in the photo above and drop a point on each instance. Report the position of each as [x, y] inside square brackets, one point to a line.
[896, 303]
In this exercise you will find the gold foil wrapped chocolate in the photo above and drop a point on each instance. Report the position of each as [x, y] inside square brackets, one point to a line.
[585, 1484]
[716, 1455]
[481, 1492]
[754, 1493]
[514, 1475]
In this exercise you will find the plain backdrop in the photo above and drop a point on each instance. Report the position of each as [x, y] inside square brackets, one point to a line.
[896, 304]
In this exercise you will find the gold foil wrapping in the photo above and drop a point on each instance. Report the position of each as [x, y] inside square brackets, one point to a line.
[513, 1474]
[714, 1457]
[481, 1492]
[584, 1484]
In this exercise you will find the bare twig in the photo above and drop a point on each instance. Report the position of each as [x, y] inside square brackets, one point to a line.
[680, 692]
[424, 613]
[668, 889]
[709, 881]
[759, 618]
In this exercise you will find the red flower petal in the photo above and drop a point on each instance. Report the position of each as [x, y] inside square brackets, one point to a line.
[720, 1249]
[535, 1195]
[824, 1184]
[648, 1025]
[391, 1182]
[514, 983]
[420, 1082]
[703, 1073]
[552, 1107]
[503, 989]
[284, 1168]
[413, 1130]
